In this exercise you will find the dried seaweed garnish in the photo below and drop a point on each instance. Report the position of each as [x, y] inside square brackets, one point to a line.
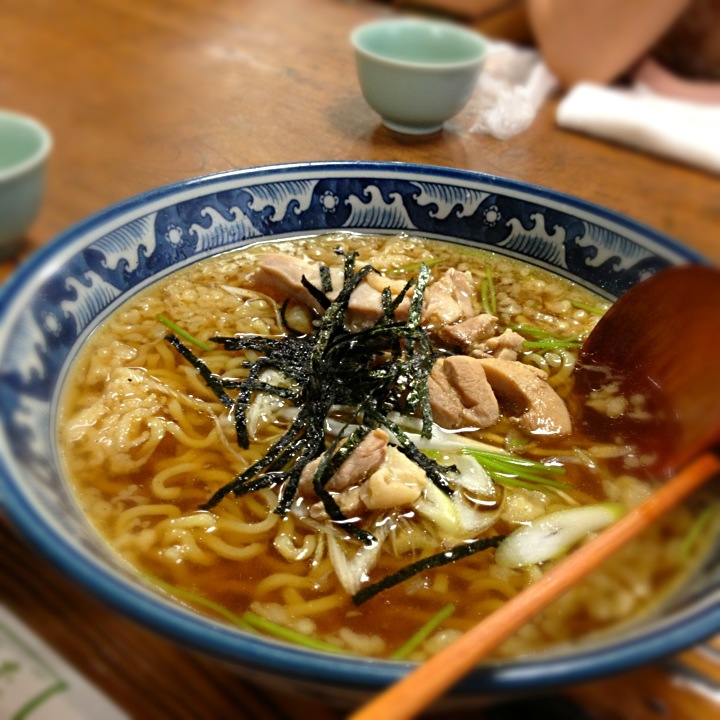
[212, 380]
[325, 279]
[433, 561]
[321, 298]
[373, 371]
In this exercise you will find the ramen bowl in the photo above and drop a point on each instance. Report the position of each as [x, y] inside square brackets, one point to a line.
[417, 73]
[49, 308]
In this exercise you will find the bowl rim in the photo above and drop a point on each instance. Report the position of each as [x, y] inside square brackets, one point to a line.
[300, 664]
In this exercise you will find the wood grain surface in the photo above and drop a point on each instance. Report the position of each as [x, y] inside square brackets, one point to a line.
[142, 94]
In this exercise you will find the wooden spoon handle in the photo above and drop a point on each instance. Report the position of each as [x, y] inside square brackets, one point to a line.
[420, 688]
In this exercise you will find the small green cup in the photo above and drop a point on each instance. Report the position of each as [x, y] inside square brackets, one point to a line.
[417, 73]
[24, 148]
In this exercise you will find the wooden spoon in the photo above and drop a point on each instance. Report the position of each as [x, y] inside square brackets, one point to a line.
[661, 339]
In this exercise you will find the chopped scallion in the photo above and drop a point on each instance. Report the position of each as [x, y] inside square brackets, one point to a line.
[539, 333]
[510, 470]
[539, 339]
[283, 633]
[183, 333]
[423, 633]
[197, 600]
[551, 344]
[487, 293]
[247, 621]
[588, 308]
[697, 529]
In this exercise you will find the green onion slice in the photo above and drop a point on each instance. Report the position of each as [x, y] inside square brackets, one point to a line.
[413, 266]
[418, 637]
[247, 621]
[588, 308]
[183, 333]
[518, 471]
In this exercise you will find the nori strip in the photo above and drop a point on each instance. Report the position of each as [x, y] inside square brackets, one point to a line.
[374, 370]
[318, 294]
[212, 380]
[433, 561]
[325, 279]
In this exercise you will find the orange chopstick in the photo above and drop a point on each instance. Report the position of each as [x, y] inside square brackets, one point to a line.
[414, 693]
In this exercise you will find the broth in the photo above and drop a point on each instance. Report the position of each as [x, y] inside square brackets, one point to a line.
[149, 444]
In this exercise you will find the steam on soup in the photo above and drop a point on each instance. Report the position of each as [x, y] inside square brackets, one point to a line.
[355, 437]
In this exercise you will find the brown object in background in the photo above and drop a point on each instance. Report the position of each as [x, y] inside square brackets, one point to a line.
[500, 19]
[691, 48]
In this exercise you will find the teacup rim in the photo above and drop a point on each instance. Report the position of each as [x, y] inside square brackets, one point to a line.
[39, 156]
[482, 42]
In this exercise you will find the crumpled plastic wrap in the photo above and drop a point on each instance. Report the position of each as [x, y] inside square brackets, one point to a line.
[513, 84]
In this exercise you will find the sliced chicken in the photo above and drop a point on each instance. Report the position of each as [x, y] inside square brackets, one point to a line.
[477, 336]
[398, 482]
[506, 346]
[367, 457]
[374, 477]
[365, 305]
[448, 299]
[467, 334]
[460, 395]
[525, 390]
[280, 276]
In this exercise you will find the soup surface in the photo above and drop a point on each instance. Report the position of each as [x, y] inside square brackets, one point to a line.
[367, 459]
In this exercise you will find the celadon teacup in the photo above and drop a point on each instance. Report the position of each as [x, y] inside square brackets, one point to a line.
[24, 148]
[417, 73]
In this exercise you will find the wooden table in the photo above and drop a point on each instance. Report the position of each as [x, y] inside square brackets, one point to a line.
[142, 94]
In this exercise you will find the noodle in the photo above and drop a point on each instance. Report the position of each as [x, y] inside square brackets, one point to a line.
[147, 442]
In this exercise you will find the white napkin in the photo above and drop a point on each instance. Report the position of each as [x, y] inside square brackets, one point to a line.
[513, 84]
[680, 130]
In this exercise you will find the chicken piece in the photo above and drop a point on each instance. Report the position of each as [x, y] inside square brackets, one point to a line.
[467, 334]
[348, 502]
[477, 337]
[280, 276]
[365, 459]
[460, 395]
[540, 410]
[398, 481]
[506, 346]
[365, 304]
[448, 300]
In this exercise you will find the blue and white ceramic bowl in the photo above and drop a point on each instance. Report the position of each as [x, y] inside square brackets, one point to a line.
[59, 296]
